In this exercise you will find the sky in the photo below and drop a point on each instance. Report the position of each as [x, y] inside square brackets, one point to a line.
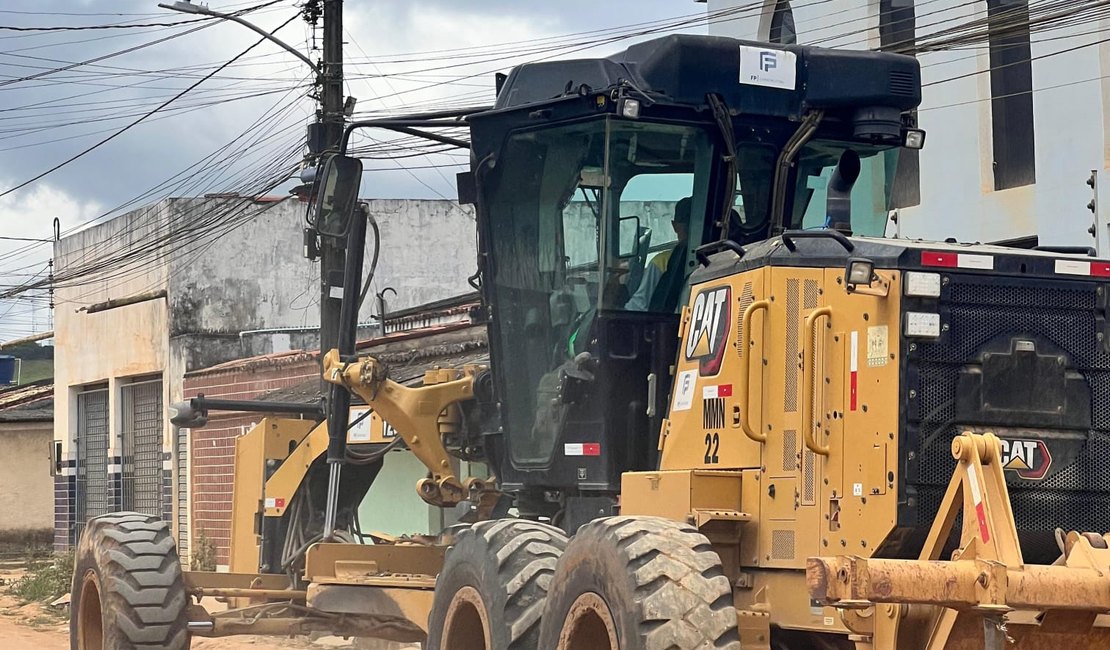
[247, 117]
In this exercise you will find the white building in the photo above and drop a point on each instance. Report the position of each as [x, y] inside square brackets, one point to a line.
[1015, 121]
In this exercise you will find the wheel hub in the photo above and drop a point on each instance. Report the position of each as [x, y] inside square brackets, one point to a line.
[90, 623]
[466, 626]
[589, 626]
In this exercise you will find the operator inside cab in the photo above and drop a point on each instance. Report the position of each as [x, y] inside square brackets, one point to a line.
[665, 274]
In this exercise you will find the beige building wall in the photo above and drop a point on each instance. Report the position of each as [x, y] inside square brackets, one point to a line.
[107, 347]
[26, 487]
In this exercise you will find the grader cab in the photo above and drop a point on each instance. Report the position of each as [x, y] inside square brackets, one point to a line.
[722, 410]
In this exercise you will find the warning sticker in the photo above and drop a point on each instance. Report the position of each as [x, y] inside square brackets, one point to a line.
[878, 351]
[684, 390]
[720, 390]
[582, 449]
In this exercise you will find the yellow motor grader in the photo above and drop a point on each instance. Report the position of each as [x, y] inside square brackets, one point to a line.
[722, 409]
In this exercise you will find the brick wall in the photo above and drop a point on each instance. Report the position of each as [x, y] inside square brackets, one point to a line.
[212, 448]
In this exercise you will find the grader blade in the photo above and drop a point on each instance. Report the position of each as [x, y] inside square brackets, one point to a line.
[985, 596]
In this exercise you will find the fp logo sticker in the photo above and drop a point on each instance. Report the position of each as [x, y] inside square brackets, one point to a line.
[768, 61]
[709, 324]
[1028, 458]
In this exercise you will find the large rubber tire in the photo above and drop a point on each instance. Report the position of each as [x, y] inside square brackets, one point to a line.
[639, 583]
[128, 593]
[490, 593]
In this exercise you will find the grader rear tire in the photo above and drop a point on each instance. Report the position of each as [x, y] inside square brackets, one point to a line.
[639, 583]
[490, 593]
[127, 592]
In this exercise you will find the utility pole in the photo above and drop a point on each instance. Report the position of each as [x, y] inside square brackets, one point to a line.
[334, 262]
[332, 252]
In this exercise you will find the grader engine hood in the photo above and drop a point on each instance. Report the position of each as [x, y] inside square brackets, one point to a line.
[982, 339]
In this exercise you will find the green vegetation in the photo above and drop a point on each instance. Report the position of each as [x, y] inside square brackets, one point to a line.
[204, 553]
[35, 370]
[38, 361]
[45, 580]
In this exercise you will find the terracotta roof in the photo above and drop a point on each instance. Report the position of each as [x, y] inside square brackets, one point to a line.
[32, 402]
[272, 360]
[278, 359]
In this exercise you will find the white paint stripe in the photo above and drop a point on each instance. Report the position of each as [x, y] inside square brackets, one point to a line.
[1072, 267]
[854, 358]
[976, 496]
[969, 261]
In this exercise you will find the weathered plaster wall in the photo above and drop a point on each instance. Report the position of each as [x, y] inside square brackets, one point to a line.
[26, 487]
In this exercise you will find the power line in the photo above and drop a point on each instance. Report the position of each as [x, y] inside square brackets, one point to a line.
[140, 119]
[78, 28]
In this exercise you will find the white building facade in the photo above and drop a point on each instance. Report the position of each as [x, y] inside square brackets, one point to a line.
[1015, 115]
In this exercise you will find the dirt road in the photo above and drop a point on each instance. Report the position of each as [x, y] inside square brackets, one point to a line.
[33, 627]
[36, 626]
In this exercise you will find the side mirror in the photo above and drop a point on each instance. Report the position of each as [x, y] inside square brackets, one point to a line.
[182, 414]
[337, 195]
[628, 236]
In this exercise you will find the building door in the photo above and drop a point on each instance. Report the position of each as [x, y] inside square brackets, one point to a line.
[92, 457]
[141, 437]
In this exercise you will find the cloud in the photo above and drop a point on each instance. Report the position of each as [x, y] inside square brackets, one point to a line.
[64, 111]
[30, 213]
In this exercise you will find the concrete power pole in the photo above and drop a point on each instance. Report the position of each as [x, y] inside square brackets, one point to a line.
[332, 253]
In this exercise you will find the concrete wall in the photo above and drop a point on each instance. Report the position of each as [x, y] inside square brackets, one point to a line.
[26, 487]
[233, 265]
[256, 277]
[429, 249]
[957, 180]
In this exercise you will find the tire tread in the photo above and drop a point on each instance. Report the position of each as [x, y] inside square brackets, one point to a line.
[143, 593]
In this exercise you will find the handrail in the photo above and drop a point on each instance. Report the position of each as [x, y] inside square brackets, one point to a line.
[808, 362]
[789, 236]
[746, 367]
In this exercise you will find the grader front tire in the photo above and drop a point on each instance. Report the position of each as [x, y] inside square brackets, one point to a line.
[127, 592]
[490, 593]
[639, 583]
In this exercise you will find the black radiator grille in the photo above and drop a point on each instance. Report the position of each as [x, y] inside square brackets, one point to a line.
[977, 310]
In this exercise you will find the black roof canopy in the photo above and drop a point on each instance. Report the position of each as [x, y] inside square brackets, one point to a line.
[751, 77]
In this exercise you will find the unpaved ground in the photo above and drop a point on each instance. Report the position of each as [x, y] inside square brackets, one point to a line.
[39, 627]
[34, 627]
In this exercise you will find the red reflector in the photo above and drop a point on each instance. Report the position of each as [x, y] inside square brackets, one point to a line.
[935, 258]
[591, 449]
[724, 390]
[279, 503]
[1101, 269]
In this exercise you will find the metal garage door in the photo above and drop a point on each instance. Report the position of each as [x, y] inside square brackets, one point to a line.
[141, 439]
[92, 457]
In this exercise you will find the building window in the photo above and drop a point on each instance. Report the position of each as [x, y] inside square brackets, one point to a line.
[142, 475]
[92, 457]
[1011, 76]
[898, 33]
[782, 24]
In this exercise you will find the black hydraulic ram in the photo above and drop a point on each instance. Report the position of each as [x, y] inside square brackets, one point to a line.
[193, 413]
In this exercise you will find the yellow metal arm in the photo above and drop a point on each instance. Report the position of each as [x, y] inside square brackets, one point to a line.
[418, 414]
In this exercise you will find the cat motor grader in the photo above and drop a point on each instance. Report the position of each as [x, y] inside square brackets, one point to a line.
[721, 409]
